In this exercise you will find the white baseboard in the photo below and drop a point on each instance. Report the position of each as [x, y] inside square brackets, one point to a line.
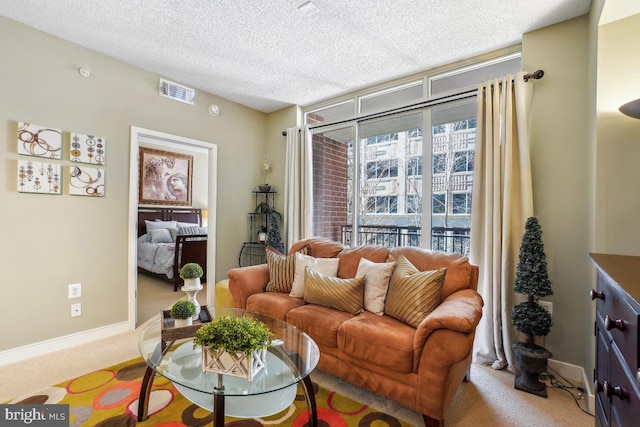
[61, 343]
[578, 376]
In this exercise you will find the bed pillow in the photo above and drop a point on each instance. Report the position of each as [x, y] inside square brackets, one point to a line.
[155, 225]
[174, 233]
[376, 275]
[326, 266]
[281, 269]
[342, 294]
[189, 230]
[188, 224]
[160, 235]
[413, 294]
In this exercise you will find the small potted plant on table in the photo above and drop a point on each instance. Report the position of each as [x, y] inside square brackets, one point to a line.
[181, 312]
[234, 345]
[191, 273]
[262, 233]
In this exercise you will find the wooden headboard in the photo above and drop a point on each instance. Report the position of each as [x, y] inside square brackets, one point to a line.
[167, 214]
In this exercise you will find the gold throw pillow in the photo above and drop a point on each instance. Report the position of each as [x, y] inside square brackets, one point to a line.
[413, 294]
[281, 269]
[341, 294]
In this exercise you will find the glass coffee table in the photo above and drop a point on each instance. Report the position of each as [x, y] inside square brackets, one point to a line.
[291, 358]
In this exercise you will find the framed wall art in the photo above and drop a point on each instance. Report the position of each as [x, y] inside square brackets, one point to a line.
[39, 141]
[38, 177]
[86, 181]
[87, 148]
[165, 177]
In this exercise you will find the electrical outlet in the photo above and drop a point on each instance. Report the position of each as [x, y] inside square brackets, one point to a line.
[75, 290]
[547, 305]
[76, 310]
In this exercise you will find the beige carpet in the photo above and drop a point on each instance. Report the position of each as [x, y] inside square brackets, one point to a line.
[488, 400]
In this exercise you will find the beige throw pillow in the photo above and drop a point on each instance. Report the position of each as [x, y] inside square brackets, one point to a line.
[413, 294]
[342, 294]
[376, 275]
[326, 266]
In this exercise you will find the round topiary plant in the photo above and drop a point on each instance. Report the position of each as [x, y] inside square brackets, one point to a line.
[191, 270]
[234, 334]
[182, 309]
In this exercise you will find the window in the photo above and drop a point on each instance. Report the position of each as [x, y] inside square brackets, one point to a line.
[439, 203]
[461, 203]
[414, 166]
[381, 171]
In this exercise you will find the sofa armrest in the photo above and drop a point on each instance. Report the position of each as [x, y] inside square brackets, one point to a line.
[459, 312]
[246, 281]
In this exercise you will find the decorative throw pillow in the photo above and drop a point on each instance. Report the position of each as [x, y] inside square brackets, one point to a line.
[189, 230]
[174, 232]
[188, 224]
[160, 235]
[281, 269]
[376, 275]
[341, 294]
[413, 294]
[326, 266]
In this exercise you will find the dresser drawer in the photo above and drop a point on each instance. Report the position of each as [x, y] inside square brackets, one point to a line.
[622, 324]
[623, 393]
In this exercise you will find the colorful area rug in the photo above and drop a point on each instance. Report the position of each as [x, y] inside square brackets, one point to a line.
[109, 398]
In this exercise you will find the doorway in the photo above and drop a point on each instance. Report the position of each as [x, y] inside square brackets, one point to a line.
[138, 137]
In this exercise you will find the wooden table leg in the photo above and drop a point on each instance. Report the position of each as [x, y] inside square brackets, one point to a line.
[218, 410]
[311, 396]
[145, 392]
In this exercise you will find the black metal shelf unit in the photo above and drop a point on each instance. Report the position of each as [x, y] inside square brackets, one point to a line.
[252, 251]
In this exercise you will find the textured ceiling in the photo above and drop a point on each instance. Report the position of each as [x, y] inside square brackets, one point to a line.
[267, 55]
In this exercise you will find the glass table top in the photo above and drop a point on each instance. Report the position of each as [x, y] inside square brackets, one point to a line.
[291, 357]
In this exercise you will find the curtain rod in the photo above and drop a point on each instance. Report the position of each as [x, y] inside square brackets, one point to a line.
[536, 75]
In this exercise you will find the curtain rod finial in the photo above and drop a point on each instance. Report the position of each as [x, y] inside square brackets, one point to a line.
[284, 133]
[538, 74]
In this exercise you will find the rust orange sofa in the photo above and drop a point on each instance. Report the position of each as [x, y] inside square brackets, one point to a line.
[418, 367]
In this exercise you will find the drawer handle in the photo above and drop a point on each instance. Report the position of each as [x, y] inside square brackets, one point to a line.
[611, 391]
[610, 324]
[594, 294]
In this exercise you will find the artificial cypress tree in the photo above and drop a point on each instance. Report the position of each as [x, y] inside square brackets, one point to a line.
[273, 235]
[532, 280]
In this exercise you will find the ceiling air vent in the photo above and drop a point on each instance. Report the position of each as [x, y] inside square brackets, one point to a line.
[177, 92]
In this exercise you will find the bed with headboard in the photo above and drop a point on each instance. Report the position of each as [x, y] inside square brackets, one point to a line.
[168, 238]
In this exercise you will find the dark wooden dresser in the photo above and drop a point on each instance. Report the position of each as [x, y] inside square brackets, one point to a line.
[617, 373]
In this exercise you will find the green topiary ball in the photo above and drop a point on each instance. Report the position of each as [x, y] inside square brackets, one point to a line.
[531, 319]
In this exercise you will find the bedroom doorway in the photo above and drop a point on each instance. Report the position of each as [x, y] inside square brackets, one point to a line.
[203, 182]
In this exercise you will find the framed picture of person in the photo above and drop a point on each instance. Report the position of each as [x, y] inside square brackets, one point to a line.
[165, 177]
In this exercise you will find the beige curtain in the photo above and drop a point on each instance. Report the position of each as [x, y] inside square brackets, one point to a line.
[502, 201]
[298, 186]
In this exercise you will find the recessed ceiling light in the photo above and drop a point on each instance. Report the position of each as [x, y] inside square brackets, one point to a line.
[308, 8]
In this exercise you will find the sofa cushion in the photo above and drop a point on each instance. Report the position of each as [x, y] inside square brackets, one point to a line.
[273, 304]
[350, 258]
[319, 322]
[326, 266]
[458, 266]
[381, 340]
[376, 276]
[341, 294]
[320, 247]
[281, 269]
[413, 294]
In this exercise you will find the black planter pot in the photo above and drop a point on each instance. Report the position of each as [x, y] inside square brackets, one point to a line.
[532, 362]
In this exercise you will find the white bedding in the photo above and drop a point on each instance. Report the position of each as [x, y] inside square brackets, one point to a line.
[156, 257]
